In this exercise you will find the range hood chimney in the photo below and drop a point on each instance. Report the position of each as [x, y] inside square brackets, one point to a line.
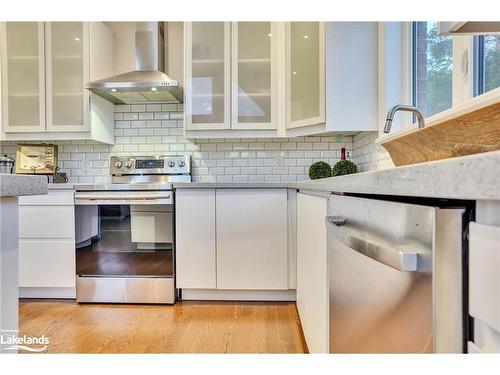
[148, 83]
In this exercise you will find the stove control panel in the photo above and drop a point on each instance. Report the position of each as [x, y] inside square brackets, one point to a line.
[150, 165]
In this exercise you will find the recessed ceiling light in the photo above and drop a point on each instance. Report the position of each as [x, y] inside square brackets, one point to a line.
[113, 90]
[153, 89]
[294, 73]
[77, 39]
[306, 36]
[269, 34]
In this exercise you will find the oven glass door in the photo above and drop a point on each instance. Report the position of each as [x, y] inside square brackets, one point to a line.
[124, 240]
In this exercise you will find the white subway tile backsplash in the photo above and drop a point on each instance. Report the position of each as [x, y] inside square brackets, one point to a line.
[138, 108]
[122, 108]
[146, 116]
[130, 132]
[130, 116]
[153, 107]
[158, 128]
[169, 107]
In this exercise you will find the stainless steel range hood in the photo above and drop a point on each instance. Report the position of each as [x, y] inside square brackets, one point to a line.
[148, 83]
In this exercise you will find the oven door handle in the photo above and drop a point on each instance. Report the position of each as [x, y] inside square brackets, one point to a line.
[121, 197]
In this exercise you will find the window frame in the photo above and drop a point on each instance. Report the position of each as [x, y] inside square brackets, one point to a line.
[479, 71]
[413, 70]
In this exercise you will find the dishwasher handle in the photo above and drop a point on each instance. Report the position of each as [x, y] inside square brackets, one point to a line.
[406, 261]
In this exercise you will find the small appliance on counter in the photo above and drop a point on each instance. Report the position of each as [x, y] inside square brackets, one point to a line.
[36, 159]
[6, 164]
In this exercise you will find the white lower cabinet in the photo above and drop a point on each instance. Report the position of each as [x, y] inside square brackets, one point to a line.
[484, 278]
[252, 239]
[232, 243]
[195, 238]
[312, 271]
[47, 263]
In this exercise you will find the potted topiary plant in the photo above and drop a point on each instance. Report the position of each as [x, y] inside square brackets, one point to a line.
[343, 167]
[320, 169]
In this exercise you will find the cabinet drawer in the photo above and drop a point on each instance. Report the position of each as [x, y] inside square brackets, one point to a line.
[53, 198]
[47, 263]
[47, 222]
[484, 273]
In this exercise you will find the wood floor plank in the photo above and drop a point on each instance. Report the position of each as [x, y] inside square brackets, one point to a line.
[186, 327]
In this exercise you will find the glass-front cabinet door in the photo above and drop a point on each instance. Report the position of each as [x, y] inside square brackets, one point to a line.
[305, 74]
[254, 75]
[207, 91]
[23, 76]
[67, 65]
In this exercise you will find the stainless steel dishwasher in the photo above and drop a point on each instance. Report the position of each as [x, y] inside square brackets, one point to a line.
[395, 272]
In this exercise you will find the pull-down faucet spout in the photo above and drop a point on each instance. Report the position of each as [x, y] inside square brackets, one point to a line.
[402, 107]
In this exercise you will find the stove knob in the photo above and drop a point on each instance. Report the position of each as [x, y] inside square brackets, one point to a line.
[171, 163]
[182, 164]
[118, 164]
[128, 164]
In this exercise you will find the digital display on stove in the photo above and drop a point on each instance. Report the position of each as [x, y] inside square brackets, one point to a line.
[149, 164]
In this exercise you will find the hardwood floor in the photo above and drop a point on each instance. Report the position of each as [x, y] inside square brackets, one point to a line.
[187, 327]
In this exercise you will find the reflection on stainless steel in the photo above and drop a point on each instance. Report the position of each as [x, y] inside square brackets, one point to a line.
[125, 290]
[378, 308]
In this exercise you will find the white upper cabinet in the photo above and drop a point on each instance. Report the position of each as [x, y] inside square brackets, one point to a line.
[207, 60]
[67, 72]
[280, 79]
[351, 76]
[254, 75]
[23, 76]
[44, 67]
[305, 74]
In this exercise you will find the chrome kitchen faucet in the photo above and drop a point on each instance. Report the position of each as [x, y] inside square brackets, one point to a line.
[402, 107]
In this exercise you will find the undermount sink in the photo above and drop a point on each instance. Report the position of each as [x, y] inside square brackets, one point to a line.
[470, 128]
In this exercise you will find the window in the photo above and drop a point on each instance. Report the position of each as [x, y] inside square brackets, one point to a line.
[486, 63]
[432, 69]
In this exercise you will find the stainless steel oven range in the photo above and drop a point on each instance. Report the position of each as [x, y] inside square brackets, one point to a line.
[125, 248]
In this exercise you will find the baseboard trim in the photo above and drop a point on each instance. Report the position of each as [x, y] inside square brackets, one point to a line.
[69, 293]
[238, 295]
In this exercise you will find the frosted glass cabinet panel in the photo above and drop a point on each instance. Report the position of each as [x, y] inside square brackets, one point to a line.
[306, 73]
[253, 75]
[23, 76]
[208, 67]
[67, 72]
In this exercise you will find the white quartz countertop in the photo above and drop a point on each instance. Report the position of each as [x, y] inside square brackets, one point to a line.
[471, 177]
[229, 185]
[14, 185]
